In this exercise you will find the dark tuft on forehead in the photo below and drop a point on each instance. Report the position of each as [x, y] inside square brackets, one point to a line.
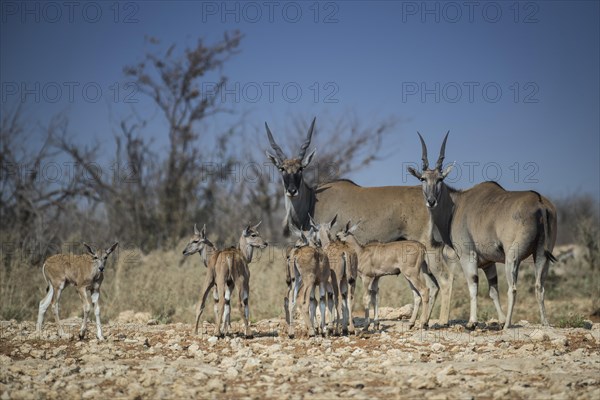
[292, 165]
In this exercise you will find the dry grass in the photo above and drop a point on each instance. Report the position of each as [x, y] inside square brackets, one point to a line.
[167, 285]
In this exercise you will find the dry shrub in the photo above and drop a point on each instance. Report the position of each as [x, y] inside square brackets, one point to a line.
[20, 287]
[167, 285]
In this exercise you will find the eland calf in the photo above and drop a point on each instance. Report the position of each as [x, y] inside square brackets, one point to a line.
[406, 257]
[86, 273]
[307, 269]
[227, 269]
[343, 262]
[200, 244]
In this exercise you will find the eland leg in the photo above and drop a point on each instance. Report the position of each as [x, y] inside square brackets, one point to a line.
[95, 295]
[44, 304]
[342, 309]
[220, 308]
[351, 291]
[56, 308]
[85, 299]
[433, 287]
[469, 266]
[375, 300]
[367, 283]
[227, 311]
[542, 264]
[244, 307]
[512, 275]
[491, 275]
[443, 267]
[322, 307]
[308, 292]
[332, 305]
[208, 284]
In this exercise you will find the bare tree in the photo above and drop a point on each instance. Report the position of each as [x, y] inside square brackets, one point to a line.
[37, 188]
[175, 86]
[152, 194]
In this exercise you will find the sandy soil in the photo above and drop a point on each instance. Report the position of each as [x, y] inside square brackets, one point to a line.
[166, 361]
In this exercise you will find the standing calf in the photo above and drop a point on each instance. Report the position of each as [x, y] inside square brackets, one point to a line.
[381, 259]
[86, 273]
[343, 262]
[227, 269]
[308, 268]
[199, 243]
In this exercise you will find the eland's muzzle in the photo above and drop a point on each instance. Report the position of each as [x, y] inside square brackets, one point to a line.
[431, 203]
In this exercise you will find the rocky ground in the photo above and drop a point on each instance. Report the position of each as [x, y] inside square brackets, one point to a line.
[166, 361]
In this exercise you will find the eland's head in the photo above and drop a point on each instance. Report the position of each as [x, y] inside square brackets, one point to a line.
[306, 238]
[291, 168]
[432, 179]
[252, 237]
[323, 230]
[100, 256]
[347, 231]
[197, 242]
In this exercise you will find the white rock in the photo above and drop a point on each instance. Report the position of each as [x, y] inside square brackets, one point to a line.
[231, 373]
[91, 394]
[358, 352]
[213, 340]
[437, 347]
[215, 385]
[227, 362]
[539, 335]
[252, 364]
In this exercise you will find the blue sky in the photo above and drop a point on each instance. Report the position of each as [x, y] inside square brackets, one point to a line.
[517, 84]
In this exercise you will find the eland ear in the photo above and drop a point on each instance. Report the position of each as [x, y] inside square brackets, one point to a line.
[304, 235]
[203, 232]
[313, 224]
[447, 170]
[112, 248]
[90, 249]
[308, 158]
[414, 172]
[196, 231]
[273, 159]
[255, 227]
[333, 221]
[348, 225]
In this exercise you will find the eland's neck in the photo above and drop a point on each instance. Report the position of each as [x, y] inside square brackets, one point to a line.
[441, 217]
[205, 250]
[299, 207]
[325, 240]
[354, 243]
[246, 249]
